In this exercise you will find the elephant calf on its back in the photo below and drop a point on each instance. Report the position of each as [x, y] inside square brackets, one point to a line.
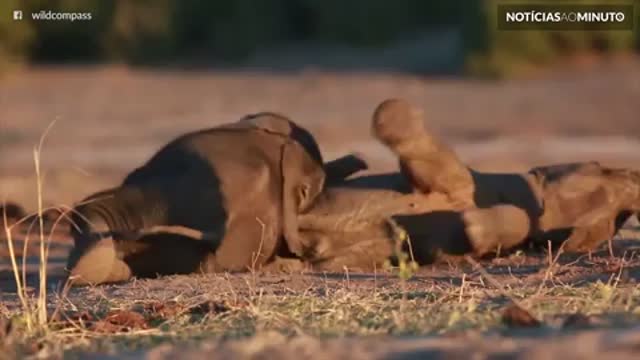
[448, 207]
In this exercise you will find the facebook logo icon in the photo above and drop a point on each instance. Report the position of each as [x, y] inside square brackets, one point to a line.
[17, 15]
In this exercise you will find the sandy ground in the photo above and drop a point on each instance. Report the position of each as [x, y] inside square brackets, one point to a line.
[596, 344]
[604, 333]
[110, 119]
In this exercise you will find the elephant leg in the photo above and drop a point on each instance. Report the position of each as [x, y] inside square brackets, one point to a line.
[589, 237]
[428, 163]
[500, 226]
[434, 233]
[96, 263]
[248, 243]
[473, 231]
[339, 169]
[120, 271]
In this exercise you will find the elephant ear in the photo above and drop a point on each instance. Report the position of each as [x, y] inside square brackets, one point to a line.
[302, 181]
[278, 124]
[269, 122]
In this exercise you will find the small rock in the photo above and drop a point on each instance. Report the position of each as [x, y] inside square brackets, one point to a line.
[517, 317]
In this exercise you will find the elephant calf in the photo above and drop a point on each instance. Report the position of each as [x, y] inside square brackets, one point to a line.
[447, 207]
[239, 188]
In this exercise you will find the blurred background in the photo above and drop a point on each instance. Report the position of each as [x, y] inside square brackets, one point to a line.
[139, 73]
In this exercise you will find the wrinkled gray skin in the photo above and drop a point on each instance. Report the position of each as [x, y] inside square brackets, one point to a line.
[579, 207]
[240, 186]
[461, 211]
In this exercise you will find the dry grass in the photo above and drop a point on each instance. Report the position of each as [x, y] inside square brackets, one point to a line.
[445, 299]
[33, 312]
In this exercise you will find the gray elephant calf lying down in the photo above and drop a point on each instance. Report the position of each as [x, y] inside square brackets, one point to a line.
[246, 194]
[447, 207]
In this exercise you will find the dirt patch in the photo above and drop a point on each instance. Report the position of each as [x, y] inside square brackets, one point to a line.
[555, 296]
[619, 344]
